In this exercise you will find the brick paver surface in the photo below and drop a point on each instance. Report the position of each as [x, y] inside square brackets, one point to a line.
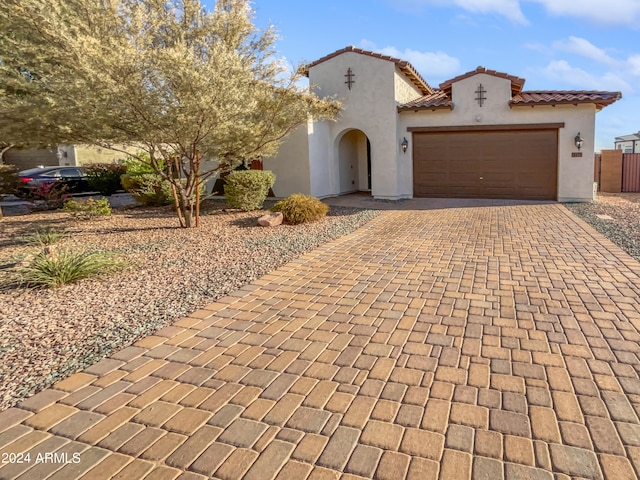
[462, 343]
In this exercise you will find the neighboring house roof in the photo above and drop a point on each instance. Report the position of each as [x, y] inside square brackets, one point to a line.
[561, 97]
[516, 82]
[628, 138]
[434, 101]
[405, 67]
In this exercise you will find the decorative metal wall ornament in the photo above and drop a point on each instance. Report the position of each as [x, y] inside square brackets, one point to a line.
[480, 98]
[350, 81]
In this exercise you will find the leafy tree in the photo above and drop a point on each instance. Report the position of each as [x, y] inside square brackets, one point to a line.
[166, 77]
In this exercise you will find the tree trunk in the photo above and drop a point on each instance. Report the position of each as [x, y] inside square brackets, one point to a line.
[4, 150]
[185, 207]
[197, 189]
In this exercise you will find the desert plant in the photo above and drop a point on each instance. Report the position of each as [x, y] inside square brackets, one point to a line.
[9, 179]
[141, 164]
[148, 189]
[88, 208]
[65, 266]
[298, 208]
[45, 237]
[105, 177]
[49, 195]
[248, 189]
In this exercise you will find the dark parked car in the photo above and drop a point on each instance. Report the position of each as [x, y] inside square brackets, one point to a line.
[73, 178]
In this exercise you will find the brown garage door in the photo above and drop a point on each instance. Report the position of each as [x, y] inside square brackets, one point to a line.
[520, 164]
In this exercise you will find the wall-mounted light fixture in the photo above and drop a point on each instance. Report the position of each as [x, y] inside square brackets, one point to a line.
[404, 145]
[579, 141]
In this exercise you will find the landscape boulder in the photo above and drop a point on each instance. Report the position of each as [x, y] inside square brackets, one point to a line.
[270, 219]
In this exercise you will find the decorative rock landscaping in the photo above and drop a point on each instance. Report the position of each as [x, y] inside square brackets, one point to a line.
[616, 216]
[47, 334]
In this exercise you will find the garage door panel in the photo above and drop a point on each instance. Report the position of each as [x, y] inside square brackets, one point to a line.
[494, 164]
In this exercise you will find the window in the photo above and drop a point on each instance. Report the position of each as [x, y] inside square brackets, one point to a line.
[70, 172]
[52, 174]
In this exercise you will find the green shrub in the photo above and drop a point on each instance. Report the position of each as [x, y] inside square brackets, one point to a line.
[298, 208]
[134, 166]
[9, 180]
[248, 189]
[148, 189]
[105, 177]
[88, 208]
[66, 266]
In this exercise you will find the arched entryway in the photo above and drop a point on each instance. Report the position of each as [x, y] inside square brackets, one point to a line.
[354, 162]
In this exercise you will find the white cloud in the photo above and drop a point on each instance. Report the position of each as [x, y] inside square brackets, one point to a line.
[620, 12]
[634, 64]
[629, 67]
[562, 72]
[615, 12]
[585, 48]
[537, 47]
[430, 64]
[507, 8]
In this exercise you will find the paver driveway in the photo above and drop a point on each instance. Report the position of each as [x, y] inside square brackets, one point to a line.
[480, 343]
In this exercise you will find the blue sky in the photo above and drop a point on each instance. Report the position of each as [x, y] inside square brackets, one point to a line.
[553, 44]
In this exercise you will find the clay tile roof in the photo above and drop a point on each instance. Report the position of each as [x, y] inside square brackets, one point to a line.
[516, 82]
[433, 101]
[405, 67]
[560, 97]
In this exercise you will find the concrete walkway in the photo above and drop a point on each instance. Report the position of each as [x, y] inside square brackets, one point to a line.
[452, 343]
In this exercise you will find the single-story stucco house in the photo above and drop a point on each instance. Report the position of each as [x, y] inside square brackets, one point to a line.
[60, 155]
[478, 135]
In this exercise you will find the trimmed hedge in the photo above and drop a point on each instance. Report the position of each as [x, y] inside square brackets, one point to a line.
[247, 189]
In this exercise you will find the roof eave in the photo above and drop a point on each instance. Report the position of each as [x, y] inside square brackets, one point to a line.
[517, 83]
[405, 67]
[409, 108]
[415, 78]
[600, 104]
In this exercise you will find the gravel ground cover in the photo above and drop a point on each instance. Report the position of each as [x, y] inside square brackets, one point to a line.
[46, 335]
[623, 228]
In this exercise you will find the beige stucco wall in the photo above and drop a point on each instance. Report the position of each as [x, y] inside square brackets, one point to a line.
[291, 165]
[405, 91]
[369, 107]
[88, 154]
[31, 158]
[575, 175]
